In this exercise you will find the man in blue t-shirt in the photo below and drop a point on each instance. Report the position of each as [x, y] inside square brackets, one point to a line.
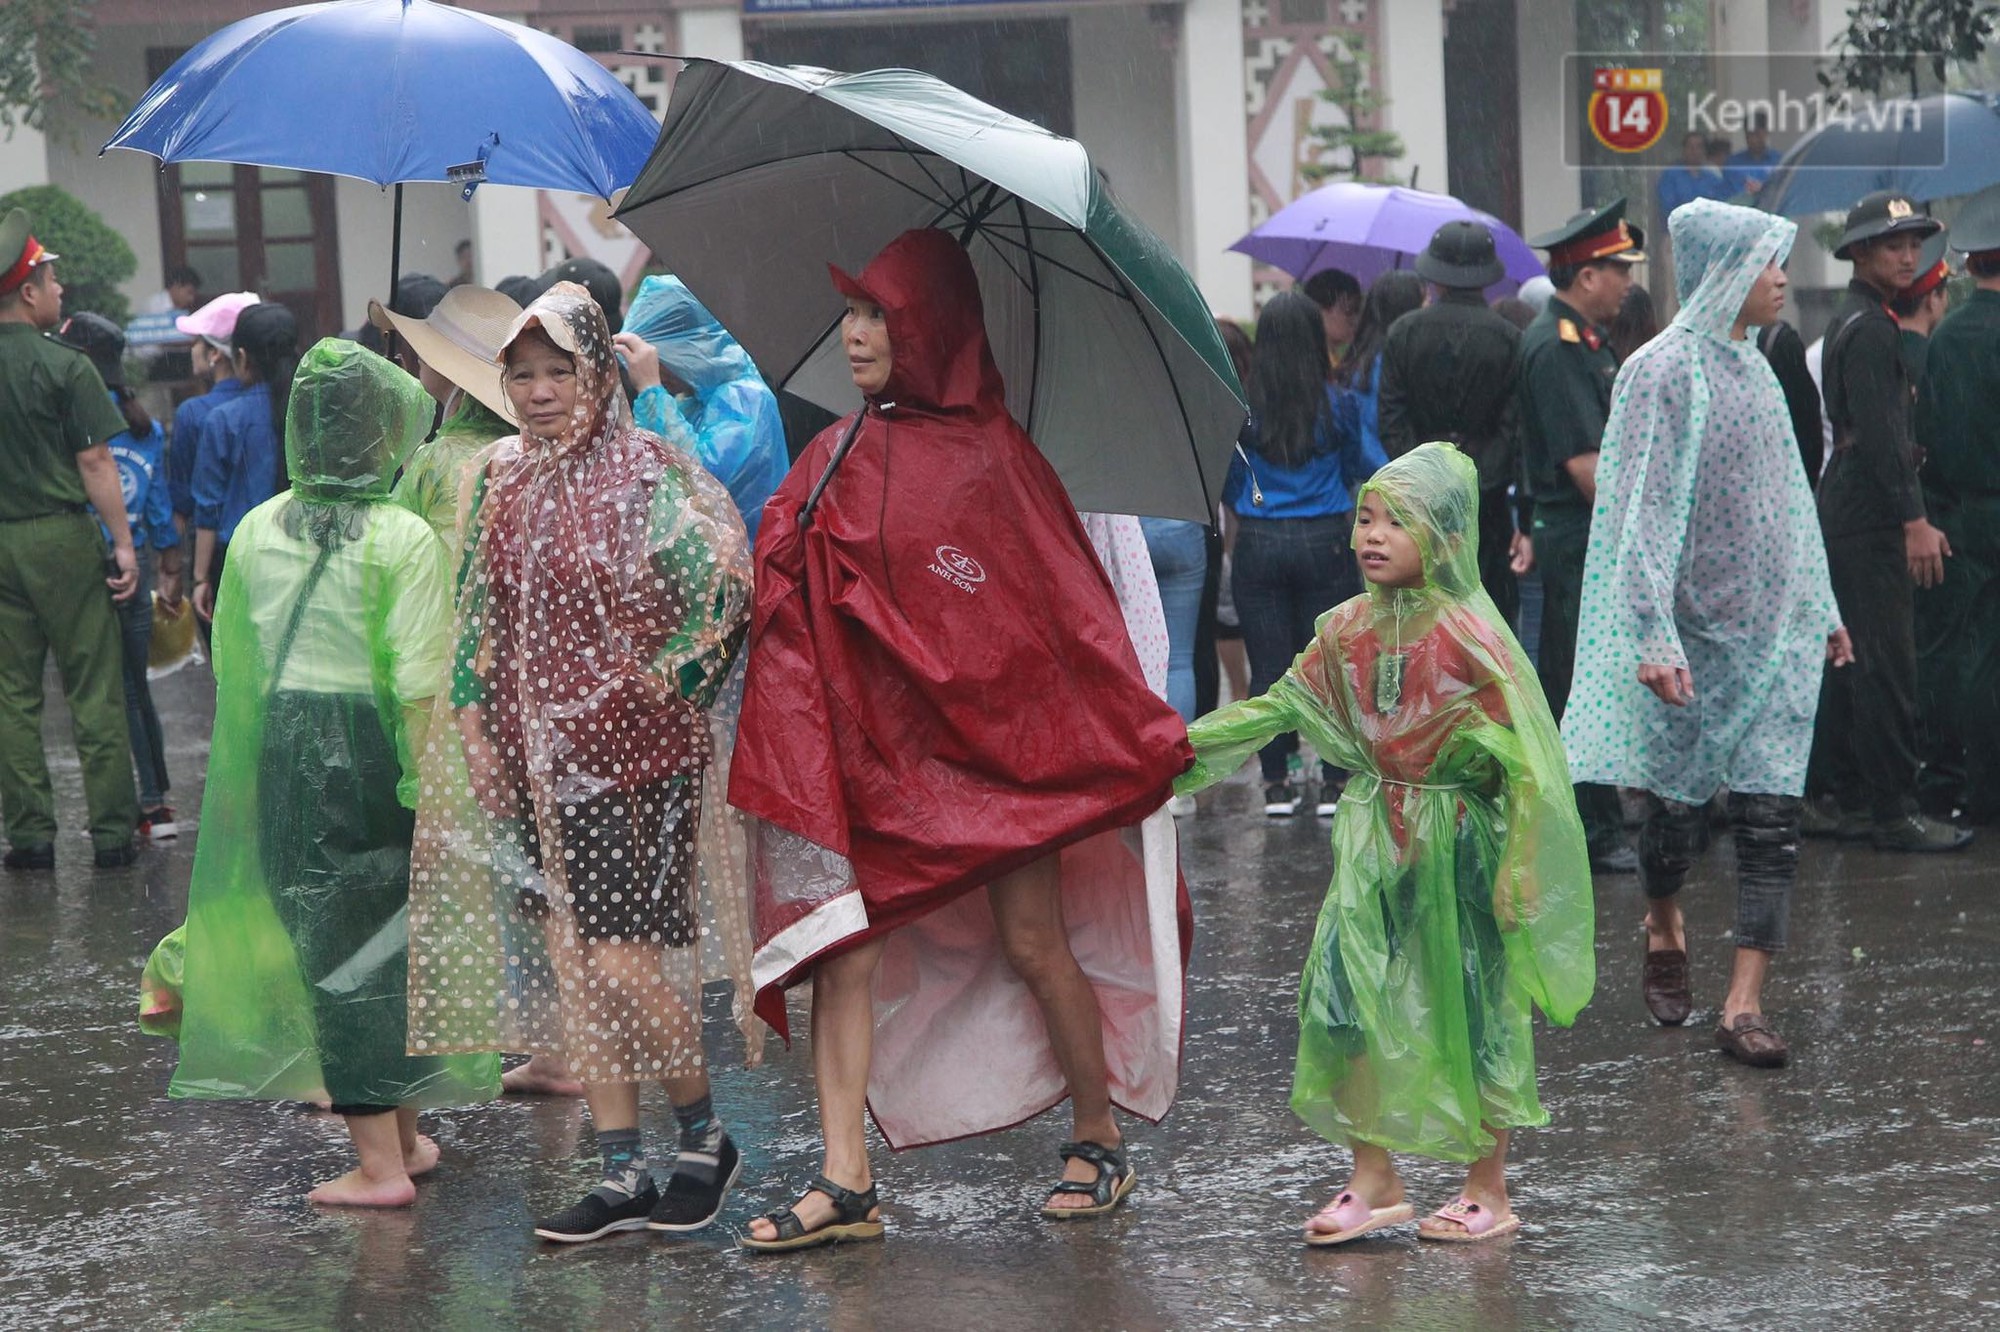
[1694, 178]
[1746, 171]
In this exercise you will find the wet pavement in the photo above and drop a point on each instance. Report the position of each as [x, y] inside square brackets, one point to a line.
[1672, 1188]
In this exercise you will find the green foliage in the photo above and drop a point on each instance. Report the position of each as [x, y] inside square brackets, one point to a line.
[1892, 41]
[46, 53]
[95, 259]
[1354, 93]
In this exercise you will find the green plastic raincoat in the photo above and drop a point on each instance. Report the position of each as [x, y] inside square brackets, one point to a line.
[430, 486]
[332, 630]
[1461, 886]
[1705, 547]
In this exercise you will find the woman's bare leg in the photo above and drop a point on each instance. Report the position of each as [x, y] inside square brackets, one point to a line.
[1027, 908]
[843, 1041]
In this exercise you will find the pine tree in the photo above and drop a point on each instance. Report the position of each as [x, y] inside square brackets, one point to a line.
[1364, 150]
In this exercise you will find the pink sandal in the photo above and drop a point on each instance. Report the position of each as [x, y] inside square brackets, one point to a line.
[1479, 1222]
[1355, 1219]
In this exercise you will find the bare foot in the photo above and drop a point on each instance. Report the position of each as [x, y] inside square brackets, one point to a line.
[422, 1158]
[1080, 1171]
[355, 1189]
[542, 1075]
[1496, 1203]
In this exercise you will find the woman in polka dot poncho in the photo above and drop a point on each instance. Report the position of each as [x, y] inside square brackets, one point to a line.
[1707, 611]
[559, 901]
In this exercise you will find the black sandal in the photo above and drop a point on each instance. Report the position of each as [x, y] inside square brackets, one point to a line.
[850, 1221]
[1115, 1179]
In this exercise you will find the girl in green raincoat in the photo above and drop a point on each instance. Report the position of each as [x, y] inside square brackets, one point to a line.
[332, 633]
[1461, 886]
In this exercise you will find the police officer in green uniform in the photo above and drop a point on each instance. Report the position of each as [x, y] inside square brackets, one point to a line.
[1880, 544]
[1448, 373]
[1918, 307]
[1958, 621]
[1563, 393]
[55, 418]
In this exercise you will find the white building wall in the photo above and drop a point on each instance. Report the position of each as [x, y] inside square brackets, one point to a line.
[121, 187]
[435, 220]
[1122, 73]
[24, 159]
[715, 33]
[1412, 67]
[1545, 30]
[1214, 153]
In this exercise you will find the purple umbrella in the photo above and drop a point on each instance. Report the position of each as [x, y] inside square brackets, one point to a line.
[1369, 229]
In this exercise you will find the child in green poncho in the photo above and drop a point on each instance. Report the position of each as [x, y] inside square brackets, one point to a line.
[331, 635]
[1461, 887]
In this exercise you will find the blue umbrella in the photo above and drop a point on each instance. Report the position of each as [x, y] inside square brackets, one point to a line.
[391, 91]
[1927, 148]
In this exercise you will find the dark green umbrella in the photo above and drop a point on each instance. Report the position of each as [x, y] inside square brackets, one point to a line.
[765, 174]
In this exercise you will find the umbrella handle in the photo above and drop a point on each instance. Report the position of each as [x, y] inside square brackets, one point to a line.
[832, 466]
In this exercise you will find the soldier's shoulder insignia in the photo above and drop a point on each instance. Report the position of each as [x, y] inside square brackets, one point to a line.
[1567, 330]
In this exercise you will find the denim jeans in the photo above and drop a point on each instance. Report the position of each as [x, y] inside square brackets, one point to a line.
[1180, 563]
[1286, 573]
[1766, 832]
[149, 749]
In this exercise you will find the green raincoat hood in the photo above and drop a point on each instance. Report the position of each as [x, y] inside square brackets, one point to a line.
[352, 419]
[1433, 491]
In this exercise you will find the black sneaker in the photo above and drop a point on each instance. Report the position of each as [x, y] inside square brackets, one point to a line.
[117, 857]
[41, 857]
[687, 1204]
[594, 1218]
[1281, 800]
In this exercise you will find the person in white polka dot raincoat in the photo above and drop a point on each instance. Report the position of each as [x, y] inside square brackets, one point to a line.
[1707, 611]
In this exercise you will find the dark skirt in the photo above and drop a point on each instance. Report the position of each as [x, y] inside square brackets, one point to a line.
[335, 847]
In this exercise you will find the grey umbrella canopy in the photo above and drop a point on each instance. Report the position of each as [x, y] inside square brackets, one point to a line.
[764, 174]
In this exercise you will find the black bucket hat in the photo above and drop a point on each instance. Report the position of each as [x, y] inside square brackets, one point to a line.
[1883, 213]
[1461, 254]
[99, 339]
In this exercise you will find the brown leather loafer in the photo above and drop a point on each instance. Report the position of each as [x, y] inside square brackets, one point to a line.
[1753, 1041]
[1665, 981]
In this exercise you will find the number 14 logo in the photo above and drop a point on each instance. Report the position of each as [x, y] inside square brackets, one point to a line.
[1628, 108]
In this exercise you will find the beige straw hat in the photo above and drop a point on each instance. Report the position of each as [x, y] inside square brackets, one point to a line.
[461, 339]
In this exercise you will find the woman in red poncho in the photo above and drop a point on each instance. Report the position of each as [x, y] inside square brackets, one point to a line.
[942, 697]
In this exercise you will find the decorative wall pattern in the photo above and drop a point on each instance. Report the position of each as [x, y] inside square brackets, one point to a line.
[1290, 51]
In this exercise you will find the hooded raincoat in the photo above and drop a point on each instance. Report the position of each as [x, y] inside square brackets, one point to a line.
[561, 899]
[730, 420]
[942, 690]
[332, 631]
[430, 485]
[1461, 886]
[1705, 547]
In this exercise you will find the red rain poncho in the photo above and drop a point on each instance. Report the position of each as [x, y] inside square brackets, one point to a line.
[942, 690]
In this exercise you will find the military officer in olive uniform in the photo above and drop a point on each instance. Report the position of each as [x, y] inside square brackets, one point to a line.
[1958, 621]
[1563, 394]
[1880, 544]
[1448, 373]
[55, 419]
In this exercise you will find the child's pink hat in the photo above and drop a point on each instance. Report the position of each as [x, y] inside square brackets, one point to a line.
[216, 321]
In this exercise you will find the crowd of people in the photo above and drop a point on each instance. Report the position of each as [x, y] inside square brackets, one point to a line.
[549, 690]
